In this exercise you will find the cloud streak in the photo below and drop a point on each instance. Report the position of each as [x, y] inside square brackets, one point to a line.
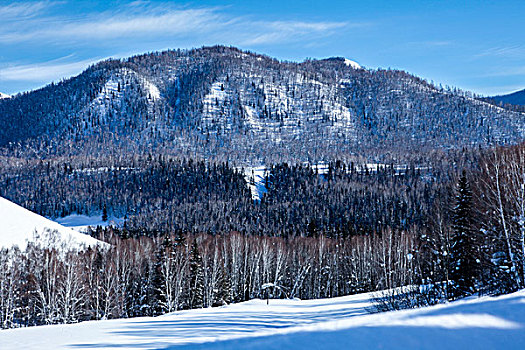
[46, 71]
[140, 21]
[169, 23]
[514, 51]
[22, 11]
[283, 31]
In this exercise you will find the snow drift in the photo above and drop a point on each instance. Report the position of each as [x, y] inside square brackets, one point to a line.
[337, 323]
[18, 226]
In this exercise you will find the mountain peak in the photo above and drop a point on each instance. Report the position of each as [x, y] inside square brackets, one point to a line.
[346, 61]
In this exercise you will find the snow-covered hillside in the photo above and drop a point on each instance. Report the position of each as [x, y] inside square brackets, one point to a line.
[3, 96]
[19, 225]
[245, 107]
[338, 323]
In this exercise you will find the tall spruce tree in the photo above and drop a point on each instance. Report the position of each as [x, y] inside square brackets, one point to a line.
[223, 294]
[104, 213]
[196, 290]
[162, 254]
[464, 258]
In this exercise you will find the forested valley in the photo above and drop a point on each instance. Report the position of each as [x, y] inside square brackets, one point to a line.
[194, 237]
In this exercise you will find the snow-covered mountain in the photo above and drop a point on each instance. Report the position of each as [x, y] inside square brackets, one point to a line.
[338, 323]
[515, 98]
[224, 102]
[18, 226]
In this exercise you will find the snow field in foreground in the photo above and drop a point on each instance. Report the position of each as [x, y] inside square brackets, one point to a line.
[338, 323]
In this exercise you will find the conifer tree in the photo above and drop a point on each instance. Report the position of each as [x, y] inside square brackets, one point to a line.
[196, 290]
[463, 253]
[104, 213]
[159, 277]
[223, 295]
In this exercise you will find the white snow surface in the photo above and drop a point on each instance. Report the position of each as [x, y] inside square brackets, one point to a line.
[115, 87]
[255, 178]
[152, 89]
[82, 222]
[352, 64]
[18, 226]
[4, 96]
[337, 323]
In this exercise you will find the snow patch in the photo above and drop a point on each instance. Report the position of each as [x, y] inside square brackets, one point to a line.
[110, 97]
[352, 64]
[252, 118]
[255, 178]
[112, 91]
[4, 96]
[152, 89]
[214, 106]
[20, 226]
[82, 222]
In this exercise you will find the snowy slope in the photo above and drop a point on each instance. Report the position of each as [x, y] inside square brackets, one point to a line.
[338, 323]
[352, 64]
[18, 226]
[82, 222]
[255, 178]
[3, 96]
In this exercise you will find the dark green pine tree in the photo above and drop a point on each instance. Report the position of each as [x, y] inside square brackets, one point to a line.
[196, 290]
[464, 260]
[158, 279]
[104, 213]
[223, 294]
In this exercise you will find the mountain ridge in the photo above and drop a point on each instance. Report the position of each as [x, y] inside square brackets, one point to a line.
[515, 98]
[222, 101]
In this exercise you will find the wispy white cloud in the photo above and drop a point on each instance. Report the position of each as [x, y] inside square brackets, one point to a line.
[433, 44]
[141, 20]
[438, 43]
[513, 51]
[22, 11]
[169, 23]
[279, 31]
[45, 71]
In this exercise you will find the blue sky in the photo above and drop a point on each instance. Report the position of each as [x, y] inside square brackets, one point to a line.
[474, 45]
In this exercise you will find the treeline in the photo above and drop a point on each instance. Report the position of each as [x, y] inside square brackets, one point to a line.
[48, 284]
[166, 194]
